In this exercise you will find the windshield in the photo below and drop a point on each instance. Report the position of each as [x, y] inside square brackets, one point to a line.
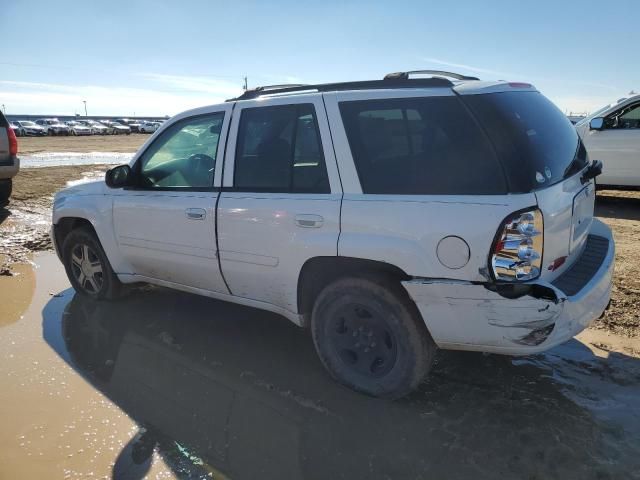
[537, 144]
[28, 124]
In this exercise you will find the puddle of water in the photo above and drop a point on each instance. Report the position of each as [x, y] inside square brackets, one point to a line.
[167, 383]
[50, 159]
[17, 287]
[54, 424]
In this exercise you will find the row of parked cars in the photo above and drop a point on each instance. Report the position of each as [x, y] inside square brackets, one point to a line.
[53, 126]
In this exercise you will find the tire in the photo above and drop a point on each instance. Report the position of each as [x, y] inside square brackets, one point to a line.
[93, 278]
[6, 186]
[370, 336]
[50, 132]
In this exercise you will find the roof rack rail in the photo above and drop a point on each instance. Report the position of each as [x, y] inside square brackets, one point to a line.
[357, 85]
[439, 73]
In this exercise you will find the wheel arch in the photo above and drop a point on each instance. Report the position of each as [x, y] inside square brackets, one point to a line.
[65, 225]
[318, 272]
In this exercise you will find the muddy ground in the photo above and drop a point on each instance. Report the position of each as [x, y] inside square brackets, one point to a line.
[164, 384]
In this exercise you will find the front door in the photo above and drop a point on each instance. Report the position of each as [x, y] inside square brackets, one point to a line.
[618, 146]
[280, 204]
[165, 225]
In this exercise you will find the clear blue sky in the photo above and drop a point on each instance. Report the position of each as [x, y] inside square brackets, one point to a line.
[156, 58]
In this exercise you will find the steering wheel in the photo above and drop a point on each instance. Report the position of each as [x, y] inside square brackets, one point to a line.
[201, 161]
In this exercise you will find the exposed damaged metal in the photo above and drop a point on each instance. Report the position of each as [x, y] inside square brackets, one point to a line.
[489, 314]
[537, 336]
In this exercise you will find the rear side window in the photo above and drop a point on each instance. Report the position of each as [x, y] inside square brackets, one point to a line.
[279, 150]
[420, 146]
[537, 144]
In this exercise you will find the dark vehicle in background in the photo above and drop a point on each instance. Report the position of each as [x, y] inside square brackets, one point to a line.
[53, 126]
[30, 128]
[9, 162]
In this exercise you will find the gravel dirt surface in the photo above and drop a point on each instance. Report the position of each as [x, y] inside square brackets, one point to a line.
[621, 211]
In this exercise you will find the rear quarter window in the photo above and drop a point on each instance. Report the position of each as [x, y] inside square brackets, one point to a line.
[420, 146]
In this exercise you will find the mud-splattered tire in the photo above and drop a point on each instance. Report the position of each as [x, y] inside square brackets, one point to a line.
[370, 336]
[87, 266]
[6, 186]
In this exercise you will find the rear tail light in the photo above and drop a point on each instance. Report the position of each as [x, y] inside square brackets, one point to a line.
[13, 142]
[516, 255]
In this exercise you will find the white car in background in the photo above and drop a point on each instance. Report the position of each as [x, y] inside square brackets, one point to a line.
[96, 127]
[29, 128]
[78, 128]
[612, 135]
[53, 126]
[148, 127]
[117, 128]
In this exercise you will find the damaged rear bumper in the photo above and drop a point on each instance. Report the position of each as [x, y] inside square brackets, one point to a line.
[471, 316]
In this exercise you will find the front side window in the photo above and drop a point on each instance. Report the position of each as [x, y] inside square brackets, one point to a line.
[628, 117]
[279, 150]
[420, 146]
[184, 155]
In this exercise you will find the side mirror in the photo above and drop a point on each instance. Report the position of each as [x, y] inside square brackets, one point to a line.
[593, 171]
[596, 123]
[118, 177]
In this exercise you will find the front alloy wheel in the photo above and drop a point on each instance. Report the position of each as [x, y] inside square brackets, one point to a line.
[87, 268]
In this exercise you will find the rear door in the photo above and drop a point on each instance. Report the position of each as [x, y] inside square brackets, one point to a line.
[165, 226]
[281, 196]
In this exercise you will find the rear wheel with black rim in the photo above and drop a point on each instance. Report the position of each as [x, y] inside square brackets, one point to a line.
[370, 336]
[87, 266]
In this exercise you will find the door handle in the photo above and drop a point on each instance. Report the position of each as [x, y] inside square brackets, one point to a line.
[306, 220]
[196, 213]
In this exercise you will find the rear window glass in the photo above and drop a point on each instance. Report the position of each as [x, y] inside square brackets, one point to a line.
[536, 143]
[420, 146]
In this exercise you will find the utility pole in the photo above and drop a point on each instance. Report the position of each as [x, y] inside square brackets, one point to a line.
[245, 83]
[4, 109]
[85, 107]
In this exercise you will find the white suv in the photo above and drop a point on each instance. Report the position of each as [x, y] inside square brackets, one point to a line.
[391, 216]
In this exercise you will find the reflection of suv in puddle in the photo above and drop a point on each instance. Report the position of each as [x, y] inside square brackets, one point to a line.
[9, 162]
[390, 216]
